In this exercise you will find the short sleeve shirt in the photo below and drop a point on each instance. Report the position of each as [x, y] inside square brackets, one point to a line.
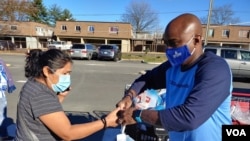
[35, 100]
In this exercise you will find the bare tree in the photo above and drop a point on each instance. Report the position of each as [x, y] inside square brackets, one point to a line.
[7, 9]
[15, 10]
[23, 10]
[140, 15]
[222, 15]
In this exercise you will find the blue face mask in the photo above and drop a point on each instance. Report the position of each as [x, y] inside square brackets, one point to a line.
[62, 84]
[178, 55]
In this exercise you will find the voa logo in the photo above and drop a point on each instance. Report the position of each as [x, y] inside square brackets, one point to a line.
[236, 132]
[176, 54]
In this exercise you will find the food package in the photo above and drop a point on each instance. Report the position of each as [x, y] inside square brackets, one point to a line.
[151, 99]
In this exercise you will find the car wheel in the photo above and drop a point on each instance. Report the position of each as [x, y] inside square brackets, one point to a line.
[89, 56]
[116, 59]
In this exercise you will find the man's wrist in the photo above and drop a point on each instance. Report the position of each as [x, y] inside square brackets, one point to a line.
[137, 116]
[130, 96]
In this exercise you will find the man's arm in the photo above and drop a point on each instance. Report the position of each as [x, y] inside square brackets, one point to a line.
[153, 79]
[213, 83]
[151, 117]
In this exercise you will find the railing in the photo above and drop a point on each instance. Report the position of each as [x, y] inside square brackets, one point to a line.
[148, 36]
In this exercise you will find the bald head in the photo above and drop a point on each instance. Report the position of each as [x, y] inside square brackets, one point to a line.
[183, 25]
[185, 31]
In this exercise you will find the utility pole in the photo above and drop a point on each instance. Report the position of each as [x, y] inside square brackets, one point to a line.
[208, 20]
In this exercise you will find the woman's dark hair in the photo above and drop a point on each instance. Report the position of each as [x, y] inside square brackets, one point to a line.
[36, 59]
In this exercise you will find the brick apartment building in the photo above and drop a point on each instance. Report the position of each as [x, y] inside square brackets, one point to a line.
[25, 34]
[95, 33]
[229, 35]
[35, 35]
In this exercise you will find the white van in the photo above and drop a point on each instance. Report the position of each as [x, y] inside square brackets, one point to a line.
[237, 58]
[83, 51]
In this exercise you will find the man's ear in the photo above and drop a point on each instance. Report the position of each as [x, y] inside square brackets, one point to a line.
[198, 39]
[46, 71]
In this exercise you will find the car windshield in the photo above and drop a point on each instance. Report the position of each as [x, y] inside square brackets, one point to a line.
[57, 43]
[106, 47]
[77, 46]
[212, 50]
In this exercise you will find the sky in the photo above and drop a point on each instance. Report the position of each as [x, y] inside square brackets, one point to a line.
[111, 10]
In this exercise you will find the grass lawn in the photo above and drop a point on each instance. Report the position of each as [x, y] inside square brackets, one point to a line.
[146, 57]
[140, 56]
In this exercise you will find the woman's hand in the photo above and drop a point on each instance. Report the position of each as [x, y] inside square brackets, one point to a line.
[62, 95]
[112, 118]
[125, 103]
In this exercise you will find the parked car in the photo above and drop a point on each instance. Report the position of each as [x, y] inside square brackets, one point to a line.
[83, 51]
[7, 45]
[109, 52]
[237, 58]
[95, 53]
[62, 45]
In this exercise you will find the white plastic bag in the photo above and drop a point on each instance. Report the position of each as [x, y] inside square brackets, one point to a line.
[238, 114]
[151, 99]
[123, 136]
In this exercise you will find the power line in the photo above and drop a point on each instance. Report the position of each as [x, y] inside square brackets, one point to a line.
[160, 13]
[107, 14]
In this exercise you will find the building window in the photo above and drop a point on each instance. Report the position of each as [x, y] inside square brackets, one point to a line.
[13, 27]
[78, 28]
[64, 27]
[225, 33]
[91, 28]
[113, 29]
[38, 29]
[243, 33]
[211, 33]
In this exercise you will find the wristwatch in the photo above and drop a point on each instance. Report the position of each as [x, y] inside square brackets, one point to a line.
[137, 116]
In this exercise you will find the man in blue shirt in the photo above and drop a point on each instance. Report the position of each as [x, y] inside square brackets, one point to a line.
[199, 87]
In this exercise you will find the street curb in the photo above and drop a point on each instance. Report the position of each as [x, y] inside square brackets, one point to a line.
[133, 60]
[12, 53]
[154, 63]
[142, 72]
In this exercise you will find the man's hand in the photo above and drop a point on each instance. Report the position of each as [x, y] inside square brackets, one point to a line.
[126, 116]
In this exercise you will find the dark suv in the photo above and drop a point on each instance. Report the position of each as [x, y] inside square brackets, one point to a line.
[109, 52]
